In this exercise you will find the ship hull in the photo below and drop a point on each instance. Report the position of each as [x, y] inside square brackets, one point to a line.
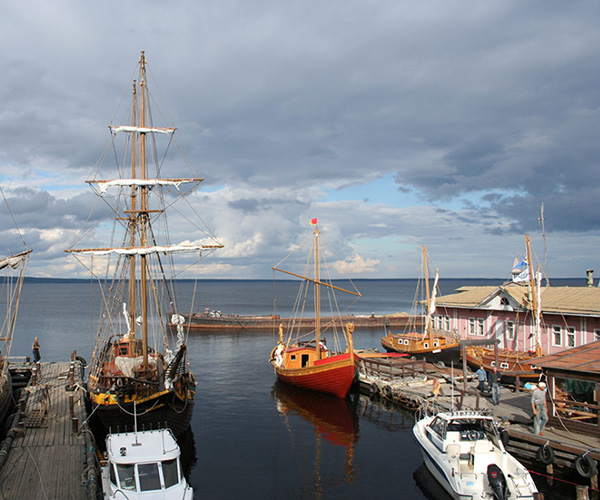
[5, 395]
[332, 375]
[441, 350]
[234, 322]
[158, 412]
[511, 363]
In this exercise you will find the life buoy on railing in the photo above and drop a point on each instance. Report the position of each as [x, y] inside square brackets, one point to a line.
[586, 466]
[545, 454]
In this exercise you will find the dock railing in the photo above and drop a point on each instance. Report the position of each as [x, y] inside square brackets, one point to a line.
[391, 369]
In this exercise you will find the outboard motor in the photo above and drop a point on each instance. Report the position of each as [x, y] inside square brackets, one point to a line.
[497, 481]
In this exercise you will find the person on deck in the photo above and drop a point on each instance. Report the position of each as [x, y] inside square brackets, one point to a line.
[481, 379]
[36, 350]
[540, 410]
[494, 380]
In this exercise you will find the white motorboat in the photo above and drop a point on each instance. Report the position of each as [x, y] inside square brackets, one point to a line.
[464, 452]
[143, 465]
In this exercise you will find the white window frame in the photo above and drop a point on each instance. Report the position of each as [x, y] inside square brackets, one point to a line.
[472, 326]
[557, 330]
[480, 327]
[447, 323]
[510, 330]
[596, 334]
[571, 340]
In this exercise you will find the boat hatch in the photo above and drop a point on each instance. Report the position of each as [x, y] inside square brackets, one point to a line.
[145, 477]
[305, 358]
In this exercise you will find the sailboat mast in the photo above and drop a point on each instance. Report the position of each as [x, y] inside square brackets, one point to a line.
[144, 214]
[132, 215]
[428, 329]
[317, 296]
[534, 297]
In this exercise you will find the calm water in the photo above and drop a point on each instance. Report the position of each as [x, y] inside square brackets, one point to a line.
[254, 438]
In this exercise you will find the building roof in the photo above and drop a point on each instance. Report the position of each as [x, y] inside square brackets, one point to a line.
[581, 301]
[585, 358]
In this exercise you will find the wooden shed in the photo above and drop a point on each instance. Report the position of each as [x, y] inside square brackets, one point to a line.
[572, 377]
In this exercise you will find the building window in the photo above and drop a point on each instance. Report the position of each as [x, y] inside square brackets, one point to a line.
[504, 301]
[472, 329]
[480, 325]
[597, 334]
[510, 330]
[570, 336]
[557, 335]
[447, 323]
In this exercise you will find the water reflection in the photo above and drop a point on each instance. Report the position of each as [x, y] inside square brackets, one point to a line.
[334, 420]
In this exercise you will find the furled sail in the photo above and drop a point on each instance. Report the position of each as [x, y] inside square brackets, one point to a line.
[142, 130]
[103, 185]
[142, 250]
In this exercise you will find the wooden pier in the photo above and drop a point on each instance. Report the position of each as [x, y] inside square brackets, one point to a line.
[420, 386]
[49, 451]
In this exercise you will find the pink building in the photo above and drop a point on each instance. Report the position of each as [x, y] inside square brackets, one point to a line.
[570, 316]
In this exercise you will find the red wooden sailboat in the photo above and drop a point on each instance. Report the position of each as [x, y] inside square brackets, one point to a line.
[303, 359]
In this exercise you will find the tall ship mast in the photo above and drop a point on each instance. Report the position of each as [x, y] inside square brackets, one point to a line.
[137, 361]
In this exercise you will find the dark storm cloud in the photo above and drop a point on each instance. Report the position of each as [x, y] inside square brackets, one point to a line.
[483, 110]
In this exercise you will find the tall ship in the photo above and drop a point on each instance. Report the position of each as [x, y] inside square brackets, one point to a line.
[13, 267]
[138, 361]
[304, 359]
[421, 338]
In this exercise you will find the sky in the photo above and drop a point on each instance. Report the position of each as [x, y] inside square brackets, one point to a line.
[396, 123]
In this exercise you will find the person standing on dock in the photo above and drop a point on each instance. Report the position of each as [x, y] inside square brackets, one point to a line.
[540, 411]
[481, 379]
[36, 350]
[494, 380]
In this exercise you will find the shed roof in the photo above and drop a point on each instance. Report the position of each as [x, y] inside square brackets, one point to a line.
[558, 300]
[585, 358]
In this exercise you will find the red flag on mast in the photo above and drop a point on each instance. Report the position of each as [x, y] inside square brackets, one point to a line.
[313, 222]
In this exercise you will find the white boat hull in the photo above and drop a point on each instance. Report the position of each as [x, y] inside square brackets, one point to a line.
[459, 461]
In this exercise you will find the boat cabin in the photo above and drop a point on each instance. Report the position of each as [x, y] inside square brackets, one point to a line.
[457, 431]
[303, 356]
[572, 378]
[140, 463]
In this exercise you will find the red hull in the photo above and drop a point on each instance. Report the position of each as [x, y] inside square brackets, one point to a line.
[333, 375]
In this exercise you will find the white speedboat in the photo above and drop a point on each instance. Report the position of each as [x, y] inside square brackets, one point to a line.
[464, 452]
[143, 465]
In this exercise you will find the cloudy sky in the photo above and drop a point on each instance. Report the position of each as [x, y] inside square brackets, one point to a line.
[396, 123]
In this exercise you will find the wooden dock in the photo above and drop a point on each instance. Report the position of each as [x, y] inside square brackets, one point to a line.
[420, 386]
[49, 451]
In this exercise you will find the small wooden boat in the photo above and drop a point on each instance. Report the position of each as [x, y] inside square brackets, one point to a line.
[137, 359]
[464, 452]
[426, 342]
[143, 465]
[511, 362]
[310, 364]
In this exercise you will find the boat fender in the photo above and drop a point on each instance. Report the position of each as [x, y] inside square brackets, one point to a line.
[505, 437]
[374, 389]
[497, 481]
[119, 382]
[81, 360]
[545, 454]
[387, 391]
[586, 466]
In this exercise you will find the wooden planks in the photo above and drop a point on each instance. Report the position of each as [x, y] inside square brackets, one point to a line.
[46, 458]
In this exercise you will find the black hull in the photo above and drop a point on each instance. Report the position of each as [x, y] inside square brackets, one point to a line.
[165, 411]
[447, 356]
[5, 397]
